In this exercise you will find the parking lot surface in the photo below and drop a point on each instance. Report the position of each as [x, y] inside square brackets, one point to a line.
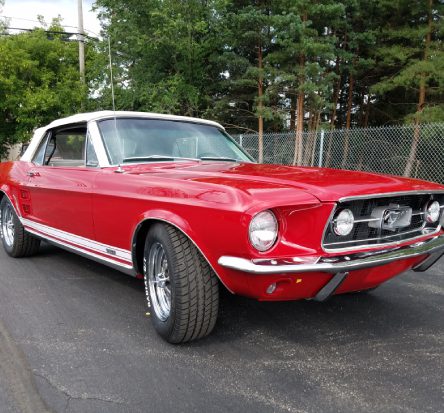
[75, 337]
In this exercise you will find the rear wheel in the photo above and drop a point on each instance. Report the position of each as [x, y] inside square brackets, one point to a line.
[181, 288]
[16, 241]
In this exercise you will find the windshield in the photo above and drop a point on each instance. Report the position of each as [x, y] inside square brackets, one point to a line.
[139, 140]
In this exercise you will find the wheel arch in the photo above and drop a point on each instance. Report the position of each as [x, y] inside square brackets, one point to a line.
[5, 192]
[141, 231]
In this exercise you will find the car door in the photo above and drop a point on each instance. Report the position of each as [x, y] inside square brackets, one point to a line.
[60, 182]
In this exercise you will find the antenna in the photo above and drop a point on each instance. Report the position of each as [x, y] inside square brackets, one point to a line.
[111, 75]
[119, 169]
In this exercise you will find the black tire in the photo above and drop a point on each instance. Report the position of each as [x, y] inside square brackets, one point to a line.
[17, 243]
[192, 284]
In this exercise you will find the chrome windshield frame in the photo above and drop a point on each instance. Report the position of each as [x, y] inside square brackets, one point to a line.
[105, 158]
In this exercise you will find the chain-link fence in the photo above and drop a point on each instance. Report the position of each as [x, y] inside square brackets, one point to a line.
[415, 151]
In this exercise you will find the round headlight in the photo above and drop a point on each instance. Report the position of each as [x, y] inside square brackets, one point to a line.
[263, 231]
[343, 222]
[432, 212]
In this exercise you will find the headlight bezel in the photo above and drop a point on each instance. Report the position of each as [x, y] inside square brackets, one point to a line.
[351, 222]
[267, 245]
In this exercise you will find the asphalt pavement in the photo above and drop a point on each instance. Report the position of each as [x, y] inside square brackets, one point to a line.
[75, 337]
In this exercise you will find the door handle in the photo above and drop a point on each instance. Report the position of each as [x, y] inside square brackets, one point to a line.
[32, 173]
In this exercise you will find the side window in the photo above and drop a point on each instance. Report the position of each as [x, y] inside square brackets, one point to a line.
[91, 156]
[39, 155]
[66, 148]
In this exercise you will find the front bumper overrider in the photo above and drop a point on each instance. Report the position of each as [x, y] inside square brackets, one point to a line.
[433, 247]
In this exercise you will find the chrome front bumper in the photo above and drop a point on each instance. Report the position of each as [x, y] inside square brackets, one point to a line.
[434, 247]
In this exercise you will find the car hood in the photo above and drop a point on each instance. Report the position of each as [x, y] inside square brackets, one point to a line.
[327, 185]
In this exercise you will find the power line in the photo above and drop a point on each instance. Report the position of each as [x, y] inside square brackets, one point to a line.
[49, 32]
[36, 21]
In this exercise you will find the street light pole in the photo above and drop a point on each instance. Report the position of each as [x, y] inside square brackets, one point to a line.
[81, 40]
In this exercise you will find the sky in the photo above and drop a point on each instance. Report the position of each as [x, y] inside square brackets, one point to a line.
[23, 13]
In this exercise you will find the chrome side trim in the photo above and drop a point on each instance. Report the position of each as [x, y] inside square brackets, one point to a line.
[389, 194]
[81, 242]
[127, 269]
[344, 263]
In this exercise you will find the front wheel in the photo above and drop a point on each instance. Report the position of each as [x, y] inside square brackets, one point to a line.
[181, 288]
[16, 241]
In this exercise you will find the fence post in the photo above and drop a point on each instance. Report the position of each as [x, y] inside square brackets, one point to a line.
[241, 140]
[321, 148]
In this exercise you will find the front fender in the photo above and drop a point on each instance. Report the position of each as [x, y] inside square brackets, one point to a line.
[169, 217]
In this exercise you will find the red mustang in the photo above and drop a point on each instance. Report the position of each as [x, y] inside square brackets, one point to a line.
[176, 201]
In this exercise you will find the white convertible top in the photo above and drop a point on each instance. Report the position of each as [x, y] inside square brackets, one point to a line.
[89, 116]
[103, 114]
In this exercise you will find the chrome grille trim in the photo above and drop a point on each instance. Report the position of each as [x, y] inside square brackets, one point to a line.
[391, 194]
[388, 236]
[362, 236]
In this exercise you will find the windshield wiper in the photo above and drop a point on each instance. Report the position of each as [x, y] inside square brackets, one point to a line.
[149, 158]
[160, 158]
[218, 158]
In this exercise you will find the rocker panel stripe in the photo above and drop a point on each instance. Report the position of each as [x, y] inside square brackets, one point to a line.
[114, 254]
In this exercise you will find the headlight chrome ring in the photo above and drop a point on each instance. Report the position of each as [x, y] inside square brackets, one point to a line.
[343, 222]
[263, 230]
[432, 212]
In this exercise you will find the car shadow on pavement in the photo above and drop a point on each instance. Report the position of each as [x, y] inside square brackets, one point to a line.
[84, 267]
[377, 315]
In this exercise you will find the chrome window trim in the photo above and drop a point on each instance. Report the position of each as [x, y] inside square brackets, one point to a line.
[97, 142]
[42, 141]
[185, 120]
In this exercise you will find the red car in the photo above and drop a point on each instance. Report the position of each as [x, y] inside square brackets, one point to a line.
[176, 201]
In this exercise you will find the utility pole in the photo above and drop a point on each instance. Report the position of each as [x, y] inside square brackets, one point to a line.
[81, 39]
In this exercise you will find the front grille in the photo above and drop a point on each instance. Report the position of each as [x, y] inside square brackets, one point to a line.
[365, 235]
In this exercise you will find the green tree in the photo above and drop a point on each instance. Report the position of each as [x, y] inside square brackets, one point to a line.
[247, 31]
[161, 52]
[2, 22]
[412, 58]
[39, 82]
[302, 62]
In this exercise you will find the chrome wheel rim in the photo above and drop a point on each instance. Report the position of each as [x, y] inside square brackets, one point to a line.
[8, 229]
[159, 281]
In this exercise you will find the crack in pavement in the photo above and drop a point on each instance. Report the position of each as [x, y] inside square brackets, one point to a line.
[70, 396]
[18, 376]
